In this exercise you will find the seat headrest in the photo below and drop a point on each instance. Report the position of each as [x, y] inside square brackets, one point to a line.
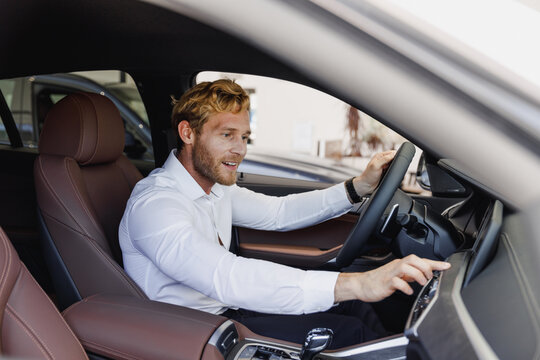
[84, 126]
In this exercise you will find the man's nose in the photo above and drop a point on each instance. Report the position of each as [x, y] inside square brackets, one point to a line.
[239, 147]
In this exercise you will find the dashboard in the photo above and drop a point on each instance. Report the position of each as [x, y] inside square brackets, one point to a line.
[484, 307]
[439, 323]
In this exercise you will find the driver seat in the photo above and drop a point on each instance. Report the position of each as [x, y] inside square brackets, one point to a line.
[83, 182]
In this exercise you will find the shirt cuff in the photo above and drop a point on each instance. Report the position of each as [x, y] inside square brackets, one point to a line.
[318, 288]
[338, 194]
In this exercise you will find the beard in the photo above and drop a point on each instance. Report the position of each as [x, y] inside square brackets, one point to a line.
[210, 167]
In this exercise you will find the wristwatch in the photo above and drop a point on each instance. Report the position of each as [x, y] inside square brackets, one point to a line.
[353, 195]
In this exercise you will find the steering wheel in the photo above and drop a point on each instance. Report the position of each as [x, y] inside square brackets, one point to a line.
[375, 205]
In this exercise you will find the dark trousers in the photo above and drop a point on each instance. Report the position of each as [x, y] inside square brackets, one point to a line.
[352, 322]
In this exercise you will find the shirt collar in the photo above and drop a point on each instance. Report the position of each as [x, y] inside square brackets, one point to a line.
[185, 182]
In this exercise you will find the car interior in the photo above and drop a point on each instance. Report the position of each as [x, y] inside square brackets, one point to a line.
[62, 203]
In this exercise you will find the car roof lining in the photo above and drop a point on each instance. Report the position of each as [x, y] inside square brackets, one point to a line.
[60, 36]
[147, 41]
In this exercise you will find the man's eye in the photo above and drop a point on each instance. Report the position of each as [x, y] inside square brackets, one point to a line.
[226, 135]
[245, 138]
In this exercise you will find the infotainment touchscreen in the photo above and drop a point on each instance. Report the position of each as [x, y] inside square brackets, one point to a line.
[486, 241]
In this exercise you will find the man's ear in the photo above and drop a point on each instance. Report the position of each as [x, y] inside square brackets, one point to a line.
[186, 132]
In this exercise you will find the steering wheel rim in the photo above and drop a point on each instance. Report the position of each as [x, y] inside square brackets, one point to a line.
[375, 205]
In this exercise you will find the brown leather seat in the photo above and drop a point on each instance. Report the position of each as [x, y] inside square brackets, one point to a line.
[83, 182]
[31, 326]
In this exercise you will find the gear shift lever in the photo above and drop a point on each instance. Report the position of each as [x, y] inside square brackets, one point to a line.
[316, 341]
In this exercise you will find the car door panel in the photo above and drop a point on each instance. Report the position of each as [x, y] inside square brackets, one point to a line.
[310, 247]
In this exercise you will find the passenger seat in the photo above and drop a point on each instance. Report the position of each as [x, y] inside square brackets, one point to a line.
[83, 182]
[31, 326]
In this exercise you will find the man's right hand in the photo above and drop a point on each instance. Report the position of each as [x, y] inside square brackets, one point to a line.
[382, 282]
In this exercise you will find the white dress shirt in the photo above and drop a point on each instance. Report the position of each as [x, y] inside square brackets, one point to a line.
[170, 234]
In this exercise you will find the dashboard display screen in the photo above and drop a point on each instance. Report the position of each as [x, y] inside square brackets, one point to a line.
[486, 241]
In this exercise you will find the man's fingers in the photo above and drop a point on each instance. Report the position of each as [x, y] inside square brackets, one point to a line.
[389, 155]
[439, 265]
[385, 157]
[422, 264]
[425, 265]
[401, 285]
[396, 275]
[410, 273]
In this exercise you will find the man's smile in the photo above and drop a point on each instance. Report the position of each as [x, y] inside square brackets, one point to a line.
[230, 164]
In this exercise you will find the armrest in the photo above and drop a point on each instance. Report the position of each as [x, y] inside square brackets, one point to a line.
[122, 327]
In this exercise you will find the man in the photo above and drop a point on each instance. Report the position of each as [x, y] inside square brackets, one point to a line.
[176, 232]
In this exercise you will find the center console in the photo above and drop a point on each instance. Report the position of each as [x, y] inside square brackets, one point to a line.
[120, 327]
[387, 348]
[124, 327]
[425, 298]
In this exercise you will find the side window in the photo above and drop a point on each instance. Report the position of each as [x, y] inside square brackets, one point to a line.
[8, 90]
[299, 132]
[34, 96]
[3, 134]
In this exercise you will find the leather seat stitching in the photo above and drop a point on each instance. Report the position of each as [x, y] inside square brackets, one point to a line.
[29, 331]
[7, 265]
[82, 203]
[157, 312]
[112, 264]
[90, 240]
[94, 107]
[55, 195]
[122, 172]
[66, 311]
[115, 266]
[81, 132]
[49, 216]
[110, 350]
[54, 307]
